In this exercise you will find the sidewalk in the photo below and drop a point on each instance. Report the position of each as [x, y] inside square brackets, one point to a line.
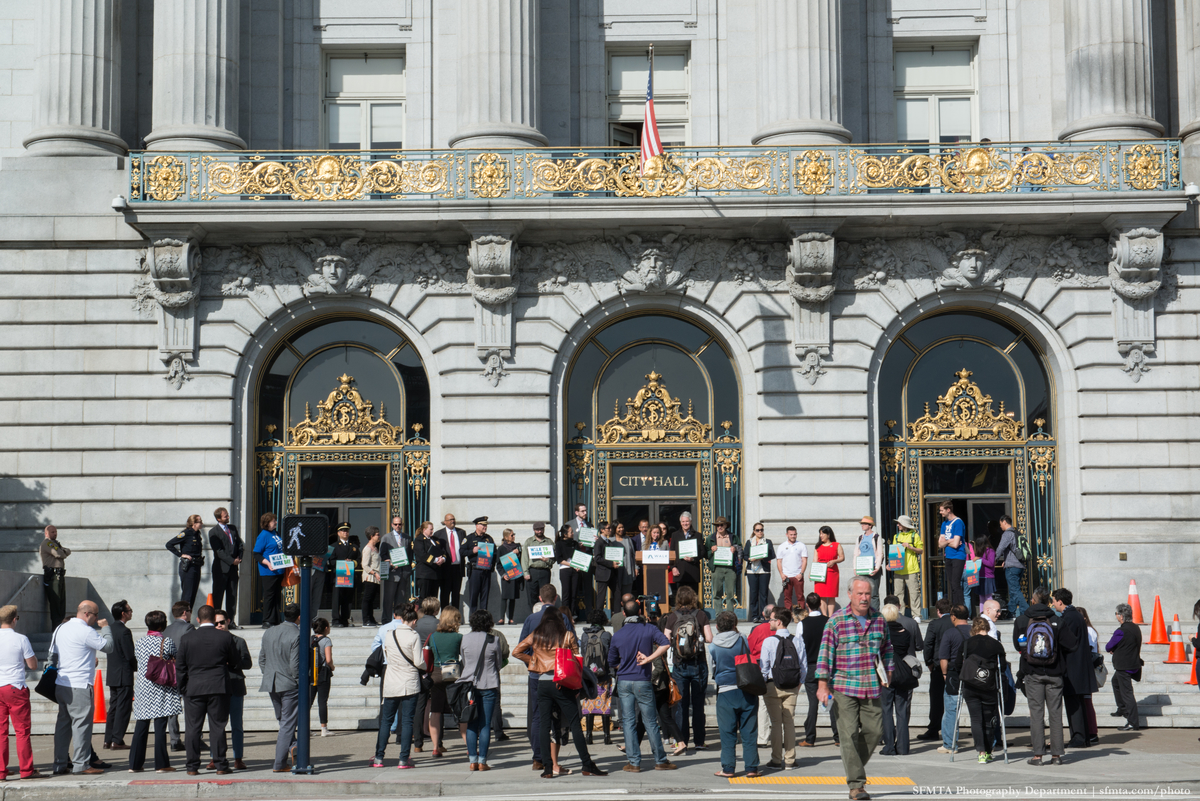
[1123, 763]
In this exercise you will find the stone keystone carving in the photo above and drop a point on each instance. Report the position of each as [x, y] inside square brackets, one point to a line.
[493, 281]
[169, 290]
[809, 279]
[1135, 275]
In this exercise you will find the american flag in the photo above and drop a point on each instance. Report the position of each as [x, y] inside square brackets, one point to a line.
[651, 144]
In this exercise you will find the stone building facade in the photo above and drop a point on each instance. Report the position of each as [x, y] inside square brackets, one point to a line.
[324, 256]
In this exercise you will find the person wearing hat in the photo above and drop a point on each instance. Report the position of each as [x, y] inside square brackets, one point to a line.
[479, 575]
[537, 571]
[344, 550]
[908, 576]
[724, 577]
[870, 544]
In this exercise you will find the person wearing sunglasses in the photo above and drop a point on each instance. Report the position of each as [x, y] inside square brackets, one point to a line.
[237, 694]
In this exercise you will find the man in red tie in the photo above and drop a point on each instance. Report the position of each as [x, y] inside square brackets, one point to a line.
[452, 574]
[226, 546]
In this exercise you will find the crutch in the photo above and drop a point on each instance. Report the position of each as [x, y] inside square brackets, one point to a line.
[957, 711]
[1000, 704]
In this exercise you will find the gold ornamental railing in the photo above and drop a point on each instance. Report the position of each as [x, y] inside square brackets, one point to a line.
[497, 175]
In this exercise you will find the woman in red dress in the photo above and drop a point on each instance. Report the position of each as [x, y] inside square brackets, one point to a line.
[829, 552]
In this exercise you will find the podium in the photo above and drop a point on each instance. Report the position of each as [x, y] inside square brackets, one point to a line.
[656, 578]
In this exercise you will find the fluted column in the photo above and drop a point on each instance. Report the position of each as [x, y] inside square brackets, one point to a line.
[1110, 91]
[498, 74]
[799, 73]
[77, 106]
[195, 75]
[1188, 27]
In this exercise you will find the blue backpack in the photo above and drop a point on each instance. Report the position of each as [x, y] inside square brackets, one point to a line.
[1041, 644]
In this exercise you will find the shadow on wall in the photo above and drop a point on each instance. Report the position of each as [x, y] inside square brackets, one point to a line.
[23, 504]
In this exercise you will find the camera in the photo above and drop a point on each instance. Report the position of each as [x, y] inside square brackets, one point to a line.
[648, 605]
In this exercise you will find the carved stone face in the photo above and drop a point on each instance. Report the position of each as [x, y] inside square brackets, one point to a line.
[653, 267]
[334, 270]
[970, 265]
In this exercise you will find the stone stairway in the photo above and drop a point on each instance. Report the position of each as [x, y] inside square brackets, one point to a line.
[1164, 698]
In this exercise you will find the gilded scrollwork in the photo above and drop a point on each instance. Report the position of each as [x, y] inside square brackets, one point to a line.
[270, 468]
[965, 414]
[653, 416]
[164, 178]
[812, 172]
[1145, 166]
[490, 175]
[673, 175]
[329, 177]
[977, 170]
[344, 418]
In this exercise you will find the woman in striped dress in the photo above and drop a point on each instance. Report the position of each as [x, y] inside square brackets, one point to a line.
[152, 702]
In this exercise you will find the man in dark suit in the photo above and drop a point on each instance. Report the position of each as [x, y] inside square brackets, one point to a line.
[1080, 677]
[608, 575]
[122, 665]
[453, 570]
[278, 659]
[227, 547]
[202, 665]
[181, 614]
[937, 682]
[398, 585]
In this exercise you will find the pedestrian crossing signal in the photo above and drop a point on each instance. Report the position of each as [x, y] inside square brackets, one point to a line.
[305, 535]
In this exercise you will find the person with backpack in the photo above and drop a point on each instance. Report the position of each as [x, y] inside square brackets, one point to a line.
[596, 642]
[949, 659]
[784, 665]
[737, 705]
[688, 631]
[323, 653]
[1012, 553]
[897, 696]
[1043, 644]
[633, 652]
[982, 666]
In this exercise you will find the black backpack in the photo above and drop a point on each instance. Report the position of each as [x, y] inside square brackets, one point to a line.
[979, 674]
[787, 668]
[595, 657]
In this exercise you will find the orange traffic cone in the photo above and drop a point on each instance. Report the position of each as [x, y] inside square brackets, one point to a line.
[1135, 603]
[1192, 681]
[210, 599]
[1158, 626]
[1178, 654]
[101, 715]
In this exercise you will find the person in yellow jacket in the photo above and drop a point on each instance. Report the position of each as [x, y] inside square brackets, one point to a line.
[907, 577]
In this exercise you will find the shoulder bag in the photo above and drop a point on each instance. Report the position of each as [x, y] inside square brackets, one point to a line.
[48, 681]
[422, 674]
[462, 696]
[159, 669]
[568, 669]
[446, 672]
[749, 674]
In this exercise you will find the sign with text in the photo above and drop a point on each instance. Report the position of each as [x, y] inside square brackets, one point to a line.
[656, 557]
[653, 480]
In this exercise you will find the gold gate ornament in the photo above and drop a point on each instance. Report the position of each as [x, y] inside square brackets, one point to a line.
[345, 418]
[652, 415]
[965, 413]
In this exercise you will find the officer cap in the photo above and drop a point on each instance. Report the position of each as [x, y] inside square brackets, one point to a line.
[344, 527]
[479, 520]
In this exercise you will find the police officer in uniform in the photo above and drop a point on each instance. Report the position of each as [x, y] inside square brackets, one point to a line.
[479, 581]
[54, 574]
[188, 545]
[344, 550]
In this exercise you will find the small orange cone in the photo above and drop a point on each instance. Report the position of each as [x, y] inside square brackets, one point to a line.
[1192, 681]
[101, 715]
[1135, 603]
[1178, 654]
[1158, 626]
[210, 599]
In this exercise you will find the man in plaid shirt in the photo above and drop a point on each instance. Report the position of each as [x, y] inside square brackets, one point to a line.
[854, 638]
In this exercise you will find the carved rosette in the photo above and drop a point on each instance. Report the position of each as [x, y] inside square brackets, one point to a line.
[1135, 275]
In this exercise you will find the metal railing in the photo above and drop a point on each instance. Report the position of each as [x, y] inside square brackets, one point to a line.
[497, 175]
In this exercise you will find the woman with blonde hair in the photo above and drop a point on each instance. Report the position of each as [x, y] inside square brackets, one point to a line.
[446, 644]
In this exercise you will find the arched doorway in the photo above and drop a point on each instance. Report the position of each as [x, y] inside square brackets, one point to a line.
[968, 408]
[340, 410]
[655, 402]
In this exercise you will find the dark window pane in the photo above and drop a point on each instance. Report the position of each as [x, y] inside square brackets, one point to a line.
[891, 386]
[284, 363]
[366, 332]
[626, 374]
[924, 333]
[372, 378]
[343, 481]
[937, 369]
[416, 391]
[963, 478]
[1037, 387]
[726, 394]
[579, 391]
[270, 407]
[653, 326]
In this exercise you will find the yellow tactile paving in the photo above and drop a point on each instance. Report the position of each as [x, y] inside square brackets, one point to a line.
[875, 780]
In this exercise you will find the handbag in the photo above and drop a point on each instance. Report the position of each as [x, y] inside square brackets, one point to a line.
[568, 669]
[49, 680]
[462, 696]
[749, 675]
[1101, 674]
[159, 669]
[676, 695]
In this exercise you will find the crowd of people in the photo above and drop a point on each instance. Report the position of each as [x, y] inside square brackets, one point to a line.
[632, 668]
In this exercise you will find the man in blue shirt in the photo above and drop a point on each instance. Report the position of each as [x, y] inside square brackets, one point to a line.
[631, 657]
[953, 540]
[549, 597]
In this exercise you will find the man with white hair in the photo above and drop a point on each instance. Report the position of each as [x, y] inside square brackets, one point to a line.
[73, 648]
[686, 568]
[991, 612]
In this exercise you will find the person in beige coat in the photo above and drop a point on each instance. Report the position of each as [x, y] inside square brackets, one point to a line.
[401, 684]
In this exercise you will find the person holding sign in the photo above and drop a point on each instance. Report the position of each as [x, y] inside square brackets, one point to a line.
[629, 566]
[607, 569]
[825, 579]
[564, 554]
[430, 555]
[725, 560]
[481, 554]
[267, 545]
[869, 557]
[907, 546]
[760, 552]
[344, 550]
[371, 576]
[512, 575]
[686, 542]
[537, 557]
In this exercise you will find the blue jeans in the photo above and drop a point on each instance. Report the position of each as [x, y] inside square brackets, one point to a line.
[737, 713]
[948, 718]
[238, 734]
[692, 677]
[405, 707]
[479, 730]
[638, 696]
[1016, 599]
